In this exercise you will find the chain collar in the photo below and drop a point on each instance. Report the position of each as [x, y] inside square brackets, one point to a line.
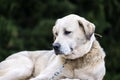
[57, 73]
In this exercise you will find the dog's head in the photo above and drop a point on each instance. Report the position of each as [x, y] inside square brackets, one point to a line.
[73, 36]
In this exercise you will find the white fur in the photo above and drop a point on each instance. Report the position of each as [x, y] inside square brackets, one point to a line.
[84, 55]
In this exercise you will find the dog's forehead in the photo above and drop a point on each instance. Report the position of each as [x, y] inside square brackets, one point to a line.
[66, 23]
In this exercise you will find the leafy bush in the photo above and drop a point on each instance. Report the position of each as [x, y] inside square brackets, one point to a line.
[27, 25]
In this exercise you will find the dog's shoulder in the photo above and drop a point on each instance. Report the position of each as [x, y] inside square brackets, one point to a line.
[95, 55]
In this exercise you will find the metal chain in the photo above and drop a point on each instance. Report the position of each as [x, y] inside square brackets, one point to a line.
[57, 73]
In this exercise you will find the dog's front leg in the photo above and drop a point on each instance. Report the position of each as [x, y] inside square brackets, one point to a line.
[41, 77]
[47, 75]
[49, 72]
[69, 79]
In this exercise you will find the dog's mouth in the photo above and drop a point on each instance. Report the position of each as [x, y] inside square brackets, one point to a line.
[60, 52]
[71, 49]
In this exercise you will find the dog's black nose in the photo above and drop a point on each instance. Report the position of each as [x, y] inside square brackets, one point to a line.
[56, 46]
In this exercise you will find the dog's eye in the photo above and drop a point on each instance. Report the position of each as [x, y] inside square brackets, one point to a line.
[56, 33]
[67, 32]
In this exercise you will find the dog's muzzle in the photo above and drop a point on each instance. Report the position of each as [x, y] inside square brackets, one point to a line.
[56, 47]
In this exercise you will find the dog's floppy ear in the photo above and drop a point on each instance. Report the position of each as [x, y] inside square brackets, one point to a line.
[88, 27]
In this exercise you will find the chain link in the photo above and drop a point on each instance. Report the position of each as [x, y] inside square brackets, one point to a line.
[57, 73]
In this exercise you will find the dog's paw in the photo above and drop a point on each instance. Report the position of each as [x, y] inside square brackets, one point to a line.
[36, 79]
[69, 79]
[33, 79]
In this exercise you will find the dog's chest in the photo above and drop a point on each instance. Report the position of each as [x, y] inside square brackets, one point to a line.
[82, 74]
[80, 69]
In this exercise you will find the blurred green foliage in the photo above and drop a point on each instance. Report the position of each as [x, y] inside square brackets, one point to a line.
[27, 25]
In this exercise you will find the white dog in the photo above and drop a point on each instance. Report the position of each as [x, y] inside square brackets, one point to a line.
[77, 55]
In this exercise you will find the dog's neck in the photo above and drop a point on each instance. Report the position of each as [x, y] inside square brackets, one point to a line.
[95, 55]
